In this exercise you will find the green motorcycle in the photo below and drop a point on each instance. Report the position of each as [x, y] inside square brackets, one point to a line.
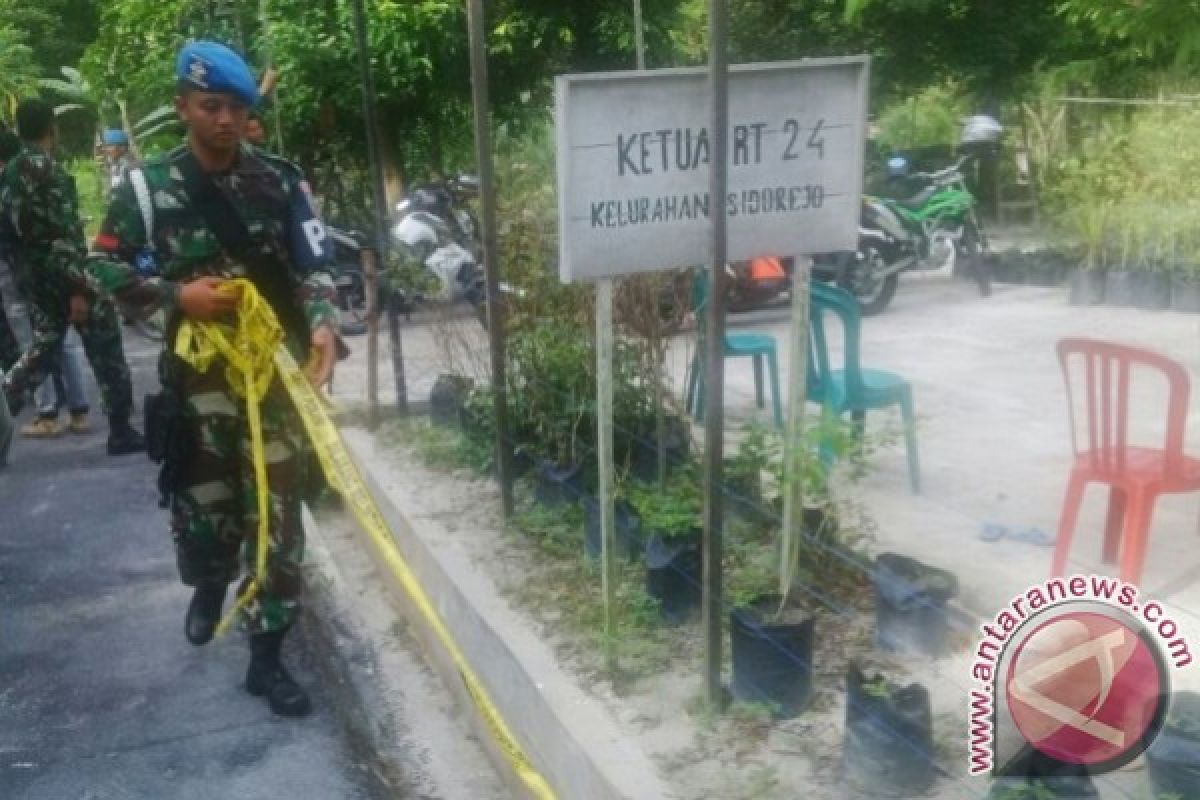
[936, 228]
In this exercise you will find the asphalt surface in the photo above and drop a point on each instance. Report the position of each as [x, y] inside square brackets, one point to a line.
[101, 696]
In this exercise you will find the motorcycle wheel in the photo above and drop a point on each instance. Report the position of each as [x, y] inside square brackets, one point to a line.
[153, 327]
[977, 266]
[874, 294]
[352, 303]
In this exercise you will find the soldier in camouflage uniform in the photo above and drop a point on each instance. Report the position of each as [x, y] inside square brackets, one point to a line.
[213, 509]
[42, 206]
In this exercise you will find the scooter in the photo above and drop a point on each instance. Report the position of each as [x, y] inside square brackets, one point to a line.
[436, 229]
[351, 284]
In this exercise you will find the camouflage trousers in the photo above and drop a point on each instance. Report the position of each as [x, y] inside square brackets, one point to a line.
[214, 512]
[101, 336]
[10, 349]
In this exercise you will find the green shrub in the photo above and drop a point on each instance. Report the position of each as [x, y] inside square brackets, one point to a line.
[931, 118]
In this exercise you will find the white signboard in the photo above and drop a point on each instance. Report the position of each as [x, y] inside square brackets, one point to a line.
[633, 165]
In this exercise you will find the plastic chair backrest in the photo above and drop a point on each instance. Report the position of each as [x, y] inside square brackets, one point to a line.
[1107, 371]
[826, 300]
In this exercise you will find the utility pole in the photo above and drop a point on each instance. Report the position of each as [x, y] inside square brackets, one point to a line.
[491, 264]
[379, 195]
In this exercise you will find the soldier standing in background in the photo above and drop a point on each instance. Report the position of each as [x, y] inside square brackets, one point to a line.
[222, 211]
[41, 204]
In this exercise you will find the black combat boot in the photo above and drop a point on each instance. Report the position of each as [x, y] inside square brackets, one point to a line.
[267, 677]
[123, 439]
[15, 400]
[204, 612]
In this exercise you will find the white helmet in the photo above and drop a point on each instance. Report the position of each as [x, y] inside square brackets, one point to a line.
[981, 129]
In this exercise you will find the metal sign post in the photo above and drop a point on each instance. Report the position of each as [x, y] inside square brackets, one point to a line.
[649, 180]
[714, 378]
[491, 264]
[379, 196]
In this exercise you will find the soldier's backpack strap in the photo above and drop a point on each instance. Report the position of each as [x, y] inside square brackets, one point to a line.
[227, 226]
[137, 178]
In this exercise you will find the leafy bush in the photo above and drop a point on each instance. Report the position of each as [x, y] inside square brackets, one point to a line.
[931, 118]
[1127, 193]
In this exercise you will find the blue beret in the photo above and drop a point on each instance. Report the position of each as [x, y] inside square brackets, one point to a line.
[213, 67]
[115, 136]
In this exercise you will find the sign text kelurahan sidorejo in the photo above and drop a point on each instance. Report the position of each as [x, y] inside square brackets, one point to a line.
[634, 151]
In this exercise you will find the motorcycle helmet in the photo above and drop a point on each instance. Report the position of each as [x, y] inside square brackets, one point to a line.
[897, 167]
[428, 198]
[466, 184]
[981, 130]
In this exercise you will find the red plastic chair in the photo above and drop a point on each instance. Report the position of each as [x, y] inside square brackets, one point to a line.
[1136, 475]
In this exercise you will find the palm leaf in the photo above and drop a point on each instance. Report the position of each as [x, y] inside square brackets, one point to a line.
[153, 118]
[67, 108]
[854, 8]
[61, 87]
[161, 127]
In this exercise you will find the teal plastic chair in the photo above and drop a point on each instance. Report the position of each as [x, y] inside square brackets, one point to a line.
[758, 346]
[852, 389]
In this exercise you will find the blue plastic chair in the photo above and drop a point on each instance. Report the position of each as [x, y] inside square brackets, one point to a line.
[758, 346]
[854, 389]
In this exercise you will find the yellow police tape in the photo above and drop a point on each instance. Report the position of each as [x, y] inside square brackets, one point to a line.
[252, 351]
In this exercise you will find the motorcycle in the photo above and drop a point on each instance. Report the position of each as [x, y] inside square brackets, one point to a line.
[435, 229]
[350, 282]
[757, 283]
[933, 226]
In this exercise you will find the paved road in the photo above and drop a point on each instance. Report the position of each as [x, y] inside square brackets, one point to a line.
[101, 697]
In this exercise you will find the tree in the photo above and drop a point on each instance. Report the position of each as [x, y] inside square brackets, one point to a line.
[1158, 32]
[18, 72]
[61, 29]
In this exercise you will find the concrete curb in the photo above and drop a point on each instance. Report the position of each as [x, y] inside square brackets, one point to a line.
[566, 733]
[340, 656]
[398, 719]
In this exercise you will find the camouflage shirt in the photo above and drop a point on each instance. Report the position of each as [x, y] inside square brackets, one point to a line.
[272, 199]
[39, 199]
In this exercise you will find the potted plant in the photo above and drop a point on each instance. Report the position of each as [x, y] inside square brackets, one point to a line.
[1119, 282]
[641, 449]
[1090, 221]
[910, 605]
[1007, 266]
[448, 398]
[888, 746]
[771, 629]
[1152, 291]
[626, 525]
[771, 638]
[551, 387]
[1185, 278]
[671, 522]
[743, 476]
[1174, 758]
